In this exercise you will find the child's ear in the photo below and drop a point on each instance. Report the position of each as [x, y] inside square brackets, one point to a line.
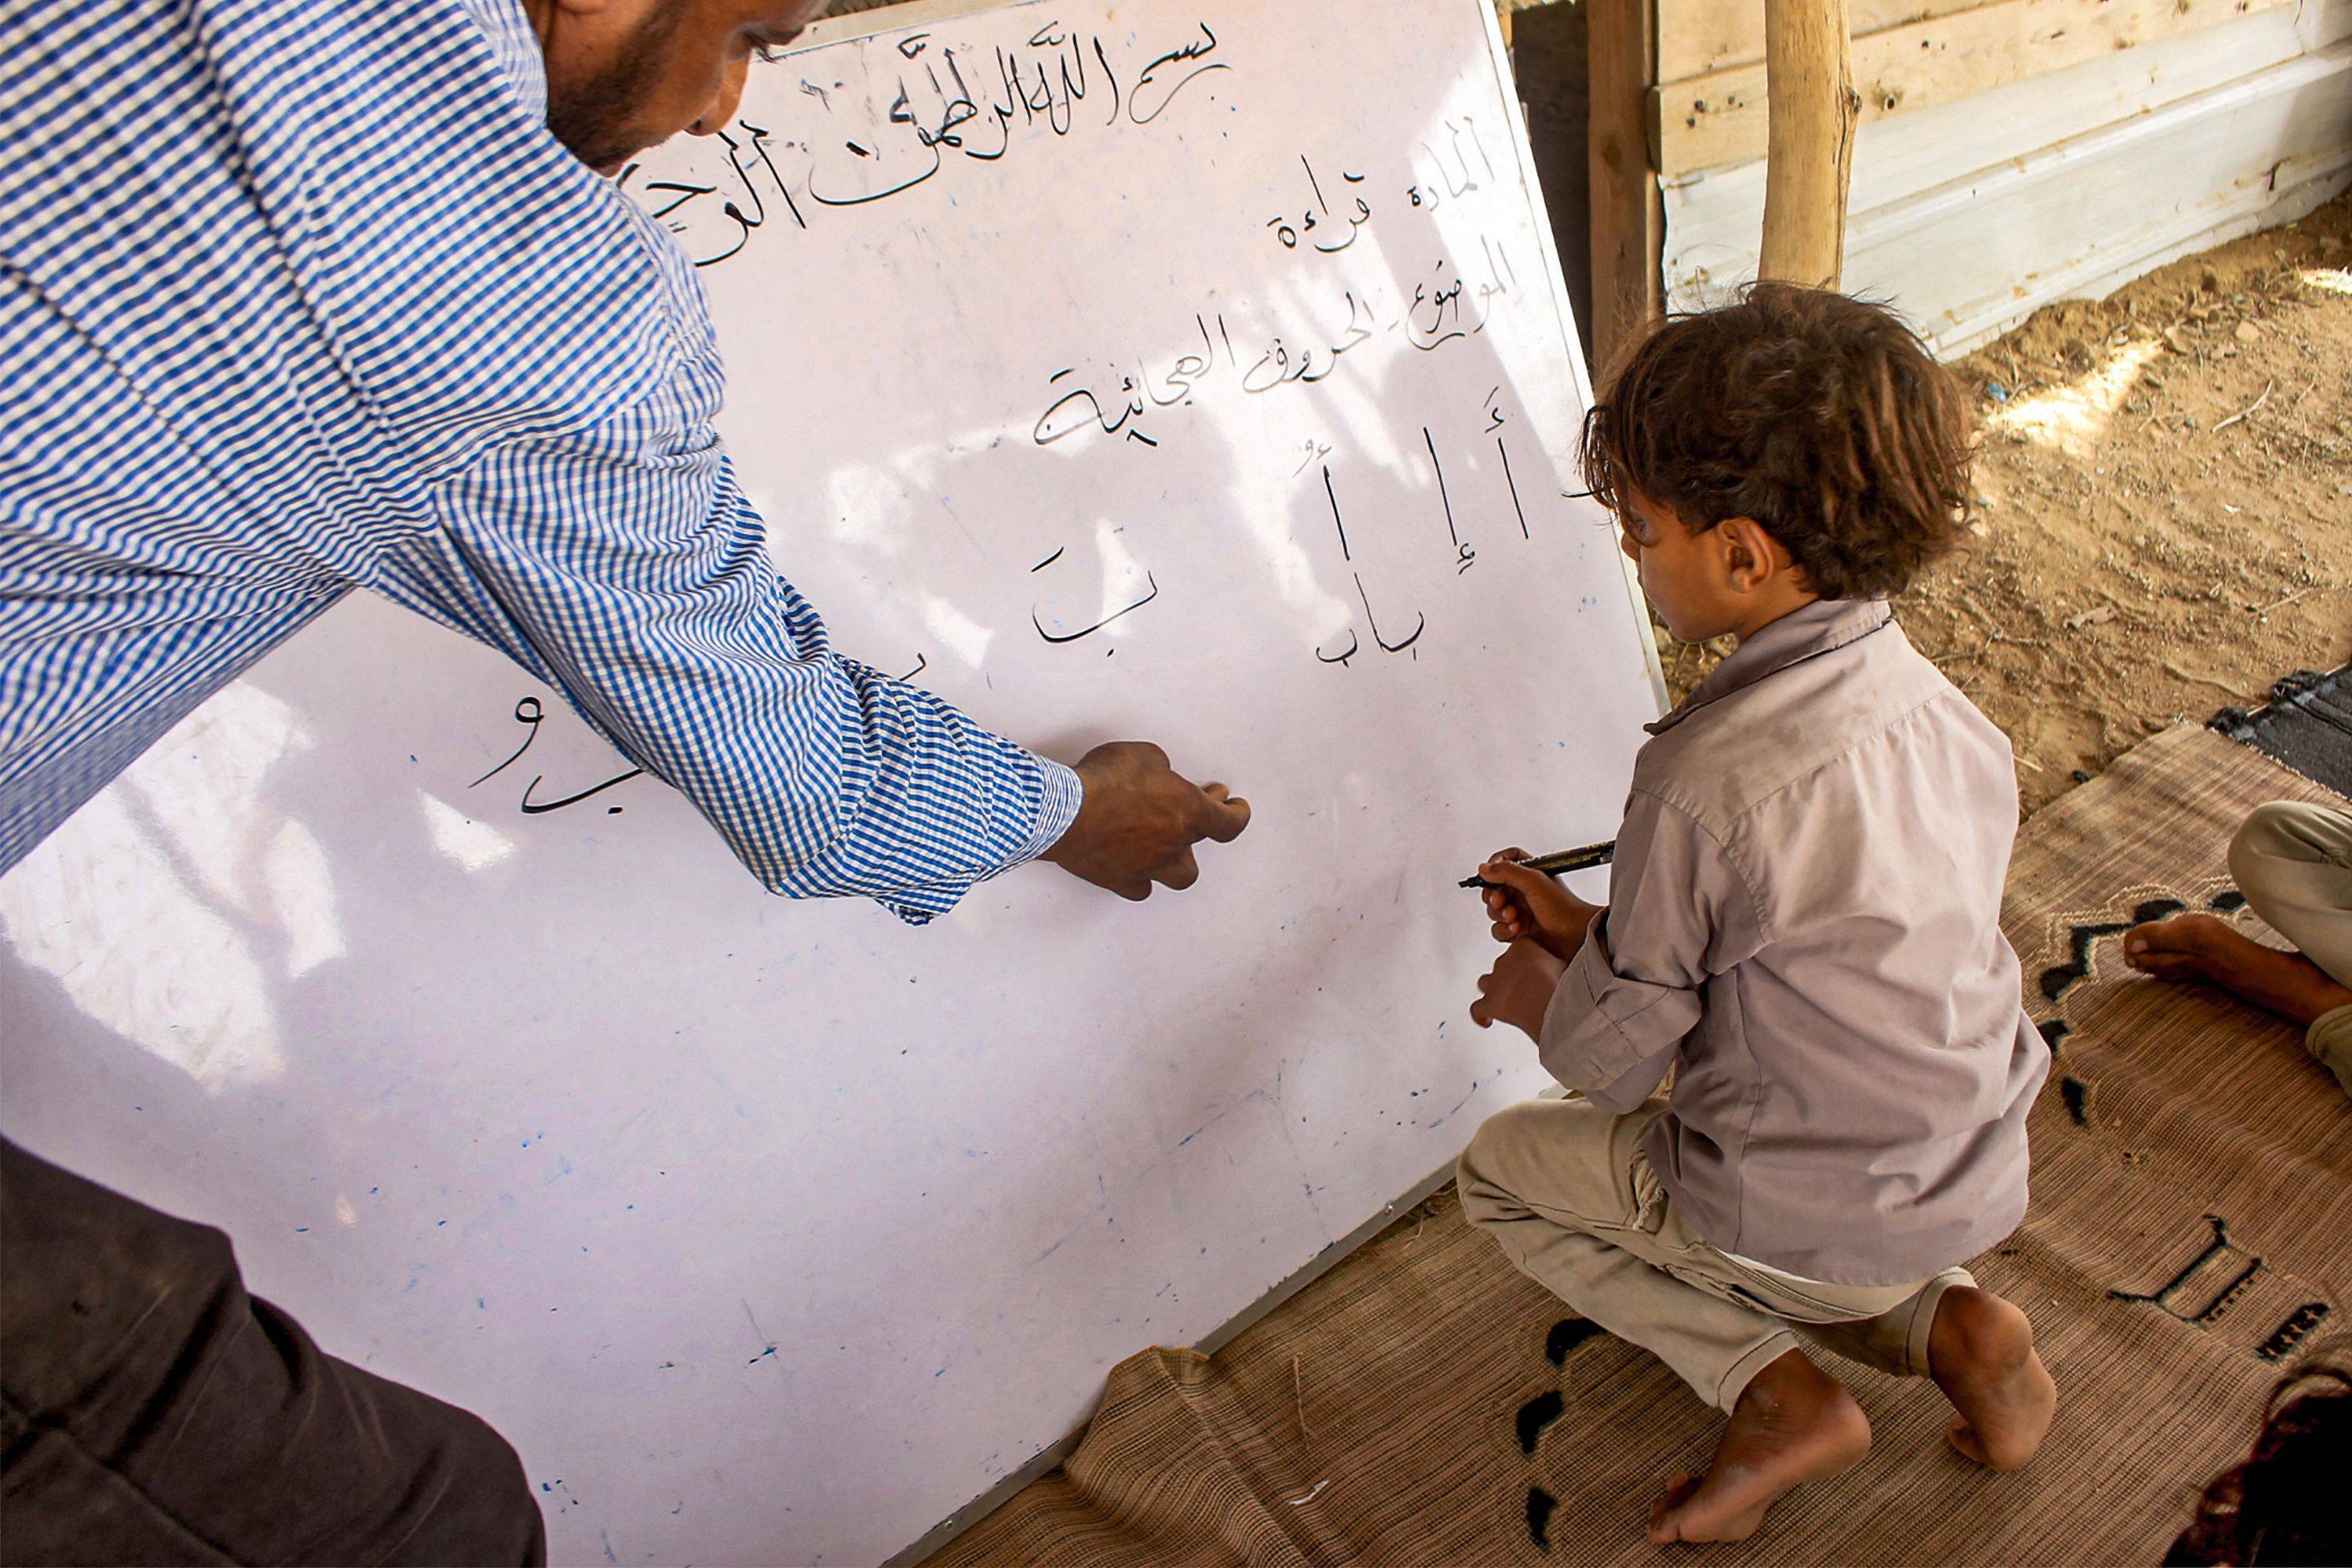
[1752, 558]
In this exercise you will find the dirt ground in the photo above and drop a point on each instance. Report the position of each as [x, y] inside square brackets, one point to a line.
[2164, 505]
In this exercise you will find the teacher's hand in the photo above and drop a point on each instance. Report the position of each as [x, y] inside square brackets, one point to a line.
[1139, 820]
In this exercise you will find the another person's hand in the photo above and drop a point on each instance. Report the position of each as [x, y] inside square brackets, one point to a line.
[1519, 990]
[1139, 820]
[1529, 906]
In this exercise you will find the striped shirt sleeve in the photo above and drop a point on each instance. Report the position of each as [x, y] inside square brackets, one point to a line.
[624, 566]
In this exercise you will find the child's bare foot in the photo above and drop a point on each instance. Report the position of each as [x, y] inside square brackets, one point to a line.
[1980, 1352]
[1793, 1424]
[2199, 947]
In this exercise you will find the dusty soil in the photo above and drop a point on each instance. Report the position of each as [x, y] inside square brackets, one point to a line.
[2164, 505]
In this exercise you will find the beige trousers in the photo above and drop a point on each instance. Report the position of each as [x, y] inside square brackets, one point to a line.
[2294, 863]
[1564, 1187]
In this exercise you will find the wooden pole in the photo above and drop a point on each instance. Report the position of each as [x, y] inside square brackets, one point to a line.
[1811, 109]
[1629, 222]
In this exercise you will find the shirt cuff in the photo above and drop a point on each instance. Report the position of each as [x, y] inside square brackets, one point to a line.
[1057, 807]
[1602, 1025]
[1059, 794]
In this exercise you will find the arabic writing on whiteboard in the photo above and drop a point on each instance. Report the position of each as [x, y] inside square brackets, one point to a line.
[938, 111]
[1339, 264]
[530, 713]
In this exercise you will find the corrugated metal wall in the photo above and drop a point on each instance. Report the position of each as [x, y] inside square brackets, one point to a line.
[2016, 152]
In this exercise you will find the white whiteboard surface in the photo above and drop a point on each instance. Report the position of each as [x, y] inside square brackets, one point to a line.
[774, 1232]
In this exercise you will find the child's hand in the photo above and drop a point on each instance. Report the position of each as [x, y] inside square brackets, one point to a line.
[1518, 989]
[1531, 907]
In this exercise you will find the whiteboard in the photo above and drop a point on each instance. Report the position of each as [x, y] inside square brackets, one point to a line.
[774, 1232]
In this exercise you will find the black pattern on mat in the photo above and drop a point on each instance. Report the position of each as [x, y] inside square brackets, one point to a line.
[2307, 725]
[2215, 1278]
[1540, 1412]
[2059, 979]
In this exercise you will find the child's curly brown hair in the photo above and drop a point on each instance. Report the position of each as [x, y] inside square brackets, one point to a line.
[1821, 416]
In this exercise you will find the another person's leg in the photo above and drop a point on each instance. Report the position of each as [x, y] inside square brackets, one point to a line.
[1562, 1186]
[150, 1411]
[2294, 863]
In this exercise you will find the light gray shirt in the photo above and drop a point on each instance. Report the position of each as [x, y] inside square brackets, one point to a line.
[1805, 920]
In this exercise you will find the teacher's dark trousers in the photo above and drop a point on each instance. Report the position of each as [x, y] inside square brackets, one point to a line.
[152, 1412]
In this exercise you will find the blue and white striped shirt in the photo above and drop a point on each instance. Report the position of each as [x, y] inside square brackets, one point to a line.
[299, 298]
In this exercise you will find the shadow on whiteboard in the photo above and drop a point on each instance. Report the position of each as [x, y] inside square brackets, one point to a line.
[167, 906]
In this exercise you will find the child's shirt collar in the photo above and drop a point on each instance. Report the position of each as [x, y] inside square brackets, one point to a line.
[1801, 634]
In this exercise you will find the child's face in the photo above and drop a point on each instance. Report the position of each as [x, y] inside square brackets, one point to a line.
[1679, 573]
[1733, 577]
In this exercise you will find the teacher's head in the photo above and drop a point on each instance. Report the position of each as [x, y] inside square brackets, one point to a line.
[622, 75]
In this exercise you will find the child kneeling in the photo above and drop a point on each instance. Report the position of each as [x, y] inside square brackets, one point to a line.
[1803, 923]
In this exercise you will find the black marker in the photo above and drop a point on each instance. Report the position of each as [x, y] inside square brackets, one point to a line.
[1591, 855]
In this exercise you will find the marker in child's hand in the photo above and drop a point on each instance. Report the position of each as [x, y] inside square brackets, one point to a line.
[1564, 860]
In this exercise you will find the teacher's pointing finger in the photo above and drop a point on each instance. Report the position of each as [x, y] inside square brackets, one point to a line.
[1138, 820]
[1226, 814]
[1179, 873]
